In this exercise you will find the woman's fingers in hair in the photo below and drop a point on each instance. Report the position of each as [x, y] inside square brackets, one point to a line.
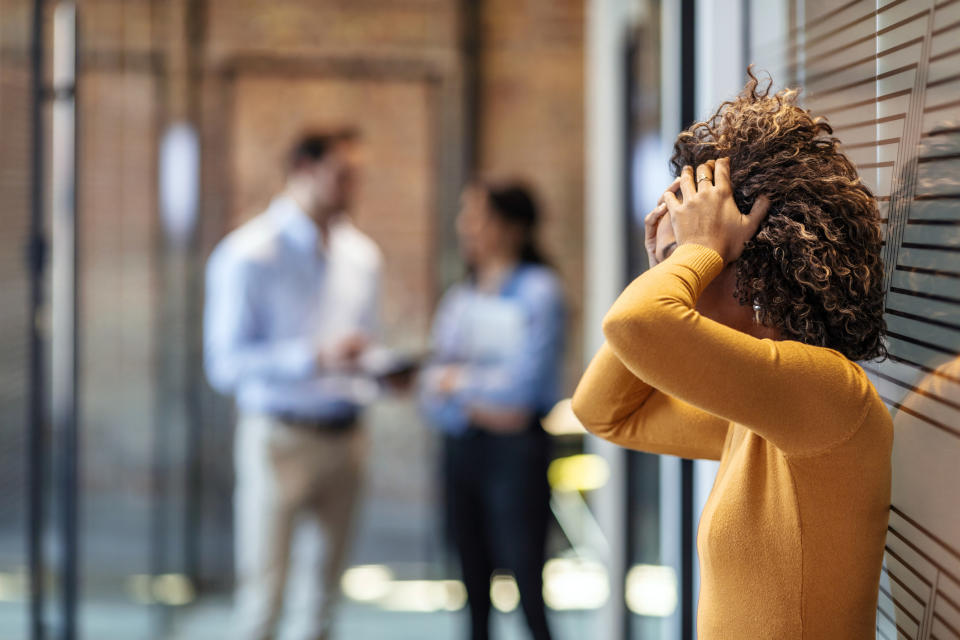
[721, 175]
[688, 185]
[710, 217]
[759, 211]
[671, 200]
[705, 175]
[751, 222]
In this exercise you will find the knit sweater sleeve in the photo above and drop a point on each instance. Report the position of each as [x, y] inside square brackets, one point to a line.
[801, 398]
[615, 405]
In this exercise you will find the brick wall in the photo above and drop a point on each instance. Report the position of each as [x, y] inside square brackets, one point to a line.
[265, 70]
[358, 29]
[395, 204]
[532, 126]
[531, 117]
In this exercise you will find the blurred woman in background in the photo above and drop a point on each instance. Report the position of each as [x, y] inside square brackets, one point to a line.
[497, 353]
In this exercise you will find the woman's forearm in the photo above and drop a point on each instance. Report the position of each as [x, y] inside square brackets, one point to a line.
[615, 405]
[655, 330]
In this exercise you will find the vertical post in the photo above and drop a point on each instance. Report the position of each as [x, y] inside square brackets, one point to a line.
[633, 258]
[471, 28]
[798, 36]
[687, 557]
[607, 25]
[746, 31]
[36, 418]
[195, 32]
[177, 497]
[64, 302]
[687, 115]
[633, 266]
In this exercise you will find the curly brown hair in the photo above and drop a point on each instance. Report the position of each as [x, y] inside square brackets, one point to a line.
[814, 269]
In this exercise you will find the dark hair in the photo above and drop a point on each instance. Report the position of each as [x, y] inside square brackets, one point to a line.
[515, 204]
[314, 146]
[814, 269]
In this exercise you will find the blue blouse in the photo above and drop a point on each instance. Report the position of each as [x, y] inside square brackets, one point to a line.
[509, 346]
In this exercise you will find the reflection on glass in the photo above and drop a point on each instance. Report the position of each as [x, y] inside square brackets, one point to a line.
[921, 383]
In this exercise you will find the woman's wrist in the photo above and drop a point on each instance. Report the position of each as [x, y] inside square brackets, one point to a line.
[443, 379]
[706, 243]
[706, 261]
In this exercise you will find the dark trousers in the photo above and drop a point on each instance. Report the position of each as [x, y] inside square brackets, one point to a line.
[498, 506]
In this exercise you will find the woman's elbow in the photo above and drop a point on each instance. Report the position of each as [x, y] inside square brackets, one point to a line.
[585, 409]
[618, 328]
[578, 404]
[624, 328]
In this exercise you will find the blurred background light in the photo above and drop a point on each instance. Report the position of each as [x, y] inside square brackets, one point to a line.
[173, 589]
[504, 593]
[376, 584]
[415, 595]
[561, 421]
[573, 583]
[170, 589]
[456, 595]
[179, 181]
[367, 583]
[651, 590]
[581, 472]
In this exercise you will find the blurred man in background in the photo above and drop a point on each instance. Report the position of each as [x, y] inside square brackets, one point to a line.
[291, 309]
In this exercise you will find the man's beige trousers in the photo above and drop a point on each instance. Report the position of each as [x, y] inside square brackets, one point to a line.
[295, 495]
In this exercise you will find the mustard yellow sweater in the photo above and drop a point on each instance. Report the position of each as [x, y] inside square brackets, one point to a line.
[791, 538]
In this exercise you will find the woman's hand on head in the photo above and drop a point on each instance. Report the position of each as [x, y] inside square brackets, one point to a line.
[652, 221]
[708, 215]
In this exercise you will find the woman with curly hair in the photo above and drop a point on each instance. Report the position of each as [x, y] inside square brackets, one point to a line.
[739, 345]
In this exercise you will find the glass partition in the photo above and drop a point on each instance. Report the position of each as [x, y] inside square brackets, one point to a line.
[884, 73]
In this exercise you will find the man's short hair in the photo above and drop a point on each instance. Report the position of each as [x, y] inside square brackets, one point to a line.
[314, 146]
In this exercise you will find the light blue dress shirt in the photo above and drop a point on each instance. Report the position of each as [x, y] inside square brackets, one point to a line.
[509, 345]
[275, 297]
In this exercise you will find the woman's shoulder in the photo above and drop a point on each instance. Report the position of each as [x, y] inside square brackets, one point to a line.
[845, 403]
[539, 281]
[827, 358]
[455, 293]
[848, 378]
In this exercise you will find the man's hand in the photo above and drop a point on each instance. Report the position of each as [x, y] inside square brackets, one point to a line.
[345, 355]
[400, 382]
[708, 215]
[351, 348]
